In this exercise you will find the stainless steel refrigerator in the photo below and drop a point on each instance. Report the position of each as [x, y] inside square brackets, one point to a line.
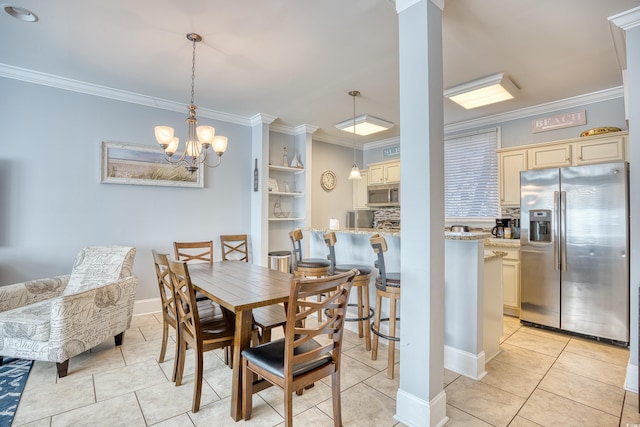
[575, 249]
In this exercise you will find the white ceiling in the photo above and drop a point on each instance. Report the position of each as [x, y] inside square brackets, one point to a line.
[297, 59]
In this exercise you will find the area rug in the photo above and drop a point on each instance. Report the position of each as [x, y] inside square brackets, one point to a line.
[13, 376]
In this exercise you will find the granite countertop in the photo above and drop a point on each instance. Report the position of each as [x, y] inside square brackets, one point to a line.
[490, 255]
[469, 235]
[506, 243]
[364, 231]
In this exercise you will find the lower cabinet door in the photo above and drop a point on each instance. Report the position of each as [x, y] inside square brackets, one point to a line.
[511, 287]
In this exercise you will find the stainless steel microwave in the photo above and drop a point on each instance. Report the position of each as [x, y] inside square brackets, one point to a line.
[383, 195]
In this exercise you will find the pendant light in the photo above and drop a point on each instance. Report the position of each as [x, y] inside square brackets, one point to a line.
[199, 138]
[355, 170]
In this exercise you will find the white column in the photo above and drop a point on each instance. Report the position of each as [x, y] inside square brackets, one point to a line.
[630, 22]
[421, 399]
[260, 199]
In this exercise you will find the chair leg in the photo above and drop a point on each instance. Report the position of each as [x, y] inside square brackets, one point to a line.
[367, 321]
[392, 333]
[63, 368]
[376, 325]
[247, 390]
[165, 338]
[288, 407]
[335, 394]
[182, 353]
[197, 380]
[176, 358]
[360, 313]
[119, 338]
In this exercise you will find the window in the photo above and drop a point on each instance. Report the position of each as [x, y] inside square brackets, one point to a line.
[471, 175]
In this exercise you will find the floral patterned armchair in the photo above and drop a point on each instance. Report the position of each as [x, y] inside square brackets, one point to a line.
[57, 318]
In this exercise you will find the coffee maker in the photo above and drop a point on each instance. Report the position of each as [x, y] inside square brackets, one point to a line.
[498, 230]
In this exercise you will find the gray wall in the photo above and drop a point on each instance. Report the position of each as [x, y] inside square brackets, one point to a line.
[52, 202]
[331, 204]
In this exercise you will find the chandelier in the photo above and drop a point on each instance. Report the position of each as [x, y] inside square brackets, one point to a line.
[199, 138]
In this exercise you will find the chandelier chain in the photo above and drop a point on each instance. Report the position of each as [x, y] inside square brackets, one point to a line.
[193, 71]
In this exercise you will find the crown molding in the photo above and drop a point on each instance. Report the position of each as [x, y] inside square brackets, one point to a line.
[262, 118]
[383, 143]
[64, 83]
[293, 130]
[549, 107]
[627, 19]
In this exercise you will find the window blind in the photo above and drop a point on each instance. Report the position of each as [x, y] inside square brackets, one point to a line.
[471, 175]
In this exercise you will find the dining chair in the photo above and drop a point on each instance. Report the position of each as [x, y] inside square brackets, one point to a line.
[307, 353]
[169, 315]
[200, 333]
[194, 251]
[235, 247]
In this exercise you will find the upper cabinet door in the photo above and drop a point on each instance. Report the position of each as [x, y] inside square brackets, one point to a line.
[375, 175]
[392, 173]
[553, 156]
[511, 164]
[600, 151]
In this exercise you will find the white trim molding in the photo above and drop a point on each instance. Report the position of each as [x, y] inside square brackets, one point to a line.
[417, 411]
[465, 363]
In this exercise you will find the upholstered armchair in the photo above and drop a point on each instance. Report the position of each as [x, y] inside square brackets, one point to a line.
[57, 318]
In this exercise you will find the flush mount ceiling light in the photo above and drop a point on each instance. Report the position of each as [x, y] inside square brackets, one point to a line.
[199, 139]
[484, 91]
[365, 124]
[19, 13]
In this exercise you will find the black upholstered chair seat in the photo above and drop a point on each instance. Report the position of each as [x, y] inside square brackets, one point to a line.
[313, 263]
[363, 269]
[270, 357]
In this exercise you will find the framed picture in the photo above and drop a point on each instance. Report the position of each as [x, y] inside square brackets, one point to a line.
[124, 163]
[273, 185]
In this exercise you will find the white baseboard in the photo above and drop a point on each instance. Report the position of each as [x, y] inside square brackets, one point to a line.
[416, 412]
[147, 306]
[465, 363]
[631, 381]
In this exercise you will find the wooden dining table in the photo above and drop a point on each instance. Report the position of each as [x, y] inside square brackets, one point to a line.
[240, 287]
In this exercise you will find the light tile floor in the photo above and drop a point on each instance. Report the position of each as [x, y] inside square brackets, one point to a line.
[540, 378]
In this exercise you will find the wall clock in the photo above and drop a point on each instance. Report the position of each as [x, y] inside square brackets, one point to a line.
[328, 180]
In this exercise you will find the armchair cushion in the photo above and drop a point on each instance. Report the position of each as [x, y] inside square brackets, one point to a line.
[31, 322]
[99, 264]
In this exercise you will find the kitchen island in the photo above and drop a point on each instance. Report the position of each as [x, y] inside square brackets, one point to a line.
[473, 289]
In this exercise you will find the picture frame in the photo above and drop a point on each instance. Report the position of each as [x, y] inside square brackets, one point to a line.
[273, 185]
[138, 164]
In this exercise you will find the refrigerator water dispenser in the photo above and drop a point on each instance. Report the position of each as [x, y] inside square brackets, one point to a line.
[540, 225]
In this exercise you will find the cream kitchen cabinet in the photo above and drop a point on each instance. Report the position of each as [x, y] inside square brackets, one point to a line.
[511, 163]
[384, 173]
[510, 277]
[550, 156]
[600, 150]
[360, 191]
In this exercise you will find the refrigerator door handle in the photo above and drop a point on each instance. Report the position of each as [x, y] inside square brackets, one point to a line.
[556, 224]
[563, 230]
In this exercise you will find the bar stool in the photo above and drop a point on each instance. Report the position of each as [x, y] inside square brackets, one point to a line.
[361, 283]
[306, 267]
[387, 286]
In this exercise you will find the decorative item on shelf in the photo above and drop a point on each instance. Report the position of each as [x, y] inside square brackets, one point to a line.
[601, 130]
[199, 139]
[328, 180]
[255, 176]
[277, 209]
[285, 157]
[296, 163]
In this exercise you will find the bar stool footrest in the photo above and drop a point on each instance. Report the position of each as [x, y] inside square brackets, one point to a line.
[380, 334]
[352, 319]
